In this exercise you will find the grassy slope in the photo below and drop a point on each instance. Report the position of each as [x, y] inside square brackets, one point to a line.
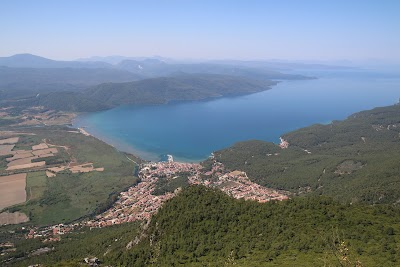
[69, 196]
[378, 181]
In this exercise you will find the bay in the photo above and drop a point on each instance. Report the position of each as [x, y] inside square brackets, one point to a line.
[191, 131]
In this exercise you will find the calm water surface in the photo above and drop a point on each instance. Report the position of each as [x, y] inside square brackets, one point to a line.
[191, 131]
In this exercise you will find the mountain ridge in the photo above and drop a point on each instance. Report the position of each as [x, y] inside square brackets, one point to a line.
[32, 61]
[178, 88]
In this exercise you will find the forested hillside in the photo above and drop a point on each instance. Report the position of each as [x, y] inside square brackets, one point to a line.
[203, 225]
[179, 88]
[65, 101]
[352, 160]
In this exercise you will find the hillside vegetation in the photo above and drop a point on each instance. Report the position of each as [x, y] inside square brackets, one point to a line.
[64, 101]
[352, 160]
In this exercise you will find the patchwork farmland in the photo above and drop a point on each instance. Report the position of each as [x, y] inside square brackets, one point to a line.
[22, 159]
[35, 158]
[63, 175]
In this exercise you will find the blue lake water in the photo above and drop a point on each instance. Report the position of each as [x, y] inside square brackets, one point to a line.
[191, 131]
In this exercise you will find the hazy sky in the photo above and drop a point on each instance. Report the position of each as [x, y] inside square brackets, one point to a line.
[215, 29]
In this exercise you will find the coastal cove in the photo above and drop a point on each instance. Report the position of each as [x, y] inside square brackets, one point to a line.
[191, 131]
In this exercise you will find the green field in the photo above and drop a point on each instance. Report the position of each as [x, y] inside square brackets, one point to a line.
[36, 185]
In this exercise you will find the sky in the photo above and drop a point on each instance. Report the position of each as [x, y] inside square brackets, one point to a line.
[203, 29]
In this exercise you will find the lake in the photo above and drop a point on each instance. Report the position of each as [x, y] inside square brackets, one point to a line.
[191, 131]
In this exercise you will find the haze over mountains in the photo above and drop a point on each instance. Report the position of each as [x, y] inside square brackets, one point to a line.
[159, 66]
[32, 61]
[95, 85]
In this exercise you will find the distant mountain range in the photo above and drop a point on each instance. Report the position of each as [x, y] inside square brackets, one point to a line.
[156, 66]
[96, 85]
[117, 59]
[32, 61]
[268, 64]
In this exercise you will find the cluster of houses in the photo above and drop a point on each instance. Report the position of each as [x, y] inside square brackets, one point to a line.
[52, 233]
[138, 203]
[283, 144]
[135, 204]
[237, 184]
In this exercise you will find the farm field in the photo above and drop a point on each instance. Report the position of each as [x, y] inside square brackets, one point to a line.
[26, 166]
[13, 218]
[12, 190]
[8, 141]
[36, 183]
[6, 149]
[15, 116]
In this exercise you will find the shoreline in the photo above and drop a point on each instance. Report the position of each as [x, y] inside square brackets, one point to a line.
[128, 148]
[148, 156]
[82, 131]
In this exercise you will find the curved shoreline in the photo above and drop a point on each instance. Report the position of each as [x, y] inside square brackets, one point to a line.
[128, 148]
[272, 117]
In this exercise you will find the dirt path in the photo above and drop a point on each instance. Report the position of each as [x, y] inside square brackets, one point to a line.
[132, 160]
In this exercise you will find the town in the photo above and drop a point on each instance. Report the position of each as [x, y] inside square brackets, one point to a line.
[139, 203]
